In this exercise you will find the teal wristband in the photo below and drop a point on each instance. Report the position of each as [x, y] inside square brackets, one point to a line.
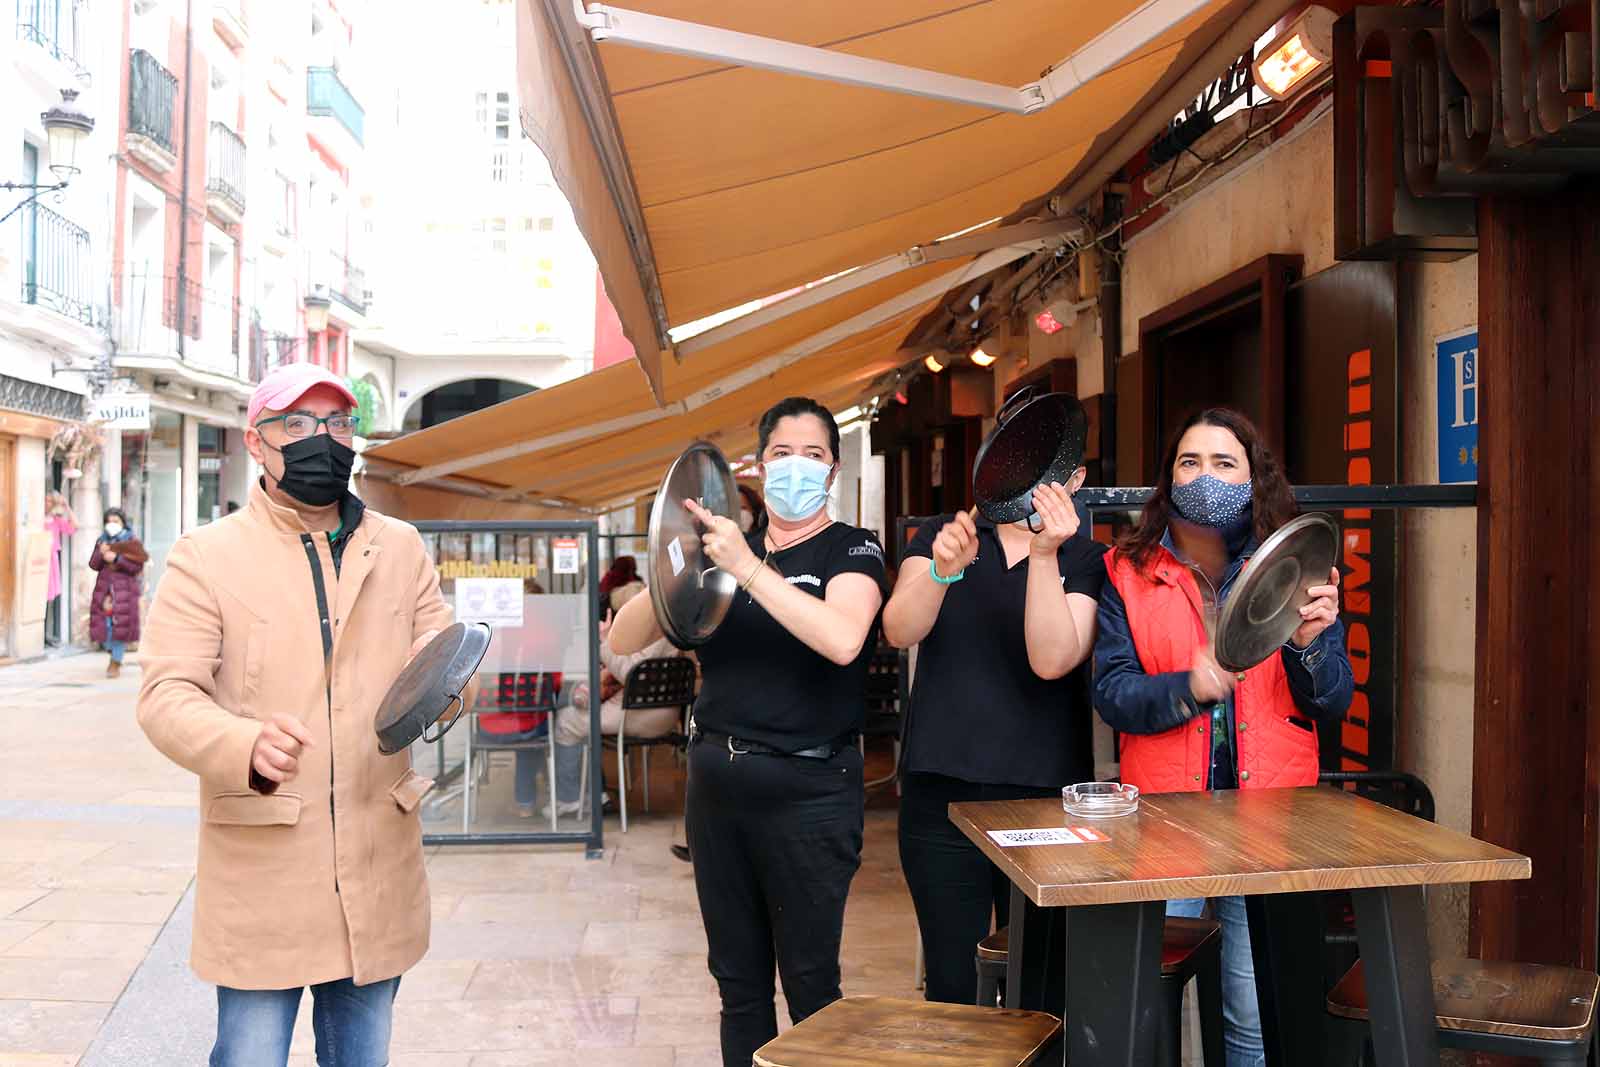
[952, 580]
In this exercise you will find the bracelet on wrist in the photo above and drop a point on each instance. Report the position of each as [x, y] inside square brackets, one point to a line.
[755, 572]
[933, 572]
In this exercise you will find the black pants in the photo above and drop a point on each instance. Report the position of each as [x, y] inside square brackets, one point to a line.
[775, 842]
[957, 890]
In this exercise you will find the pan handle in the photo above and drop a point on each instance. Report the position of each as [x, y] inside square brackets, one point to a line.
[455, 698]
[1018, 398]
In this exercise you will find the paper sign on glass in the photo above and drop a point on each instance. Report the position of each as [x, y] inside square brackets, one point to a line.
[496, 601]
[564, 557]
[1047, 835]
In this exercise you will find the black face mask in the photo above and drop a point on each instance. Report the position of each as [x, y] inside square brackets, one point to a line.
[316, 469]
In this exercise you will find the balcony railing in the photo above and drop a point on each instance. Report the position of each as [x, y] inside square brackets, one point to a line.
[269, 349]
[327, 95]
[225, 165]
[56, 264]
[152, 89]
[54, 26]
[348, 283]
[149, 321]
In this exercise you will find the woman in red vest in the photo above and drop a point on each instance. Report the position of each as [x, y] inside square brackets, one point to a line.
[1186, 723]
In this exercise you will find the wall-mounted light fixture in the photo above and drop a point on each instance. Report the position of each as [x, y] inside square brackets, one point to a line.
[317, 305]
[980, 358]
[67, 128]
[1285, 66]
[931, 361]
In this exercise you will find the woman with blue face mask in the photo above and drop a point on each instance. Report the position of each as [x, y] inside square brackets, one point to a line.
[1186, 723]
[774, 813]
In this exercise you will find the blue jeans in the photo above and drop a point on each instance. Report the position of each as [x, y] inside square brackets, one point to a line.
[351, 1022]
[114, 645]
[1241, 1016]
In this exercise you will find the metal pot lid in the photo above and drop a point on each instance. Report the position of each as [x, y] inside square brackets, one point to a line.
[429, 685]
[1041, 441]
[691, 595]
[1263, 610]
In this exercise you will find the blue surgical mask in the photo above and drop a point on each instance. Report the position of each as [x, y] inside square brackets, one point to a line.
[1210, 501]
[796, 487]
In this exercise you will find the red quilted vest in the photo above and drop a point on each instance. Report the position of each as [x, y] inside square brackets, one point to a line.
[1167, 625]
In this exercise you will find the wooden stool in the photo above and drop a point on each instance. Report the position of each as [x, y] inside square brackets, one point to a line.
[883, 1032]
[1513, 1009]
[1190, 948]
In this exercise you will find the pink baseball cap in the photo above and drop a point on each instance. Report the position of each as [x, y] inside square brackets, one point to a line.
[288, 383]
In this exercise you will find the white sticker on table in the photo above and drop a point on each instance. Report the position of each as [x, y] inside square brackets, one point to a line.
[675, 554]
[1048, 835]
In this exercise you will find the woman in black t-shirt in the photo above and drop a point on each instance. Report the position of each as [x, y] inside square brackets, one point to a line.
[1000, 707]
[774, 810]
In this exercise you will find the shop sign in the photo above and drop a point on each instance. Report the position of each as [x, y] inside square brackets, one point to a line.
[1456, 358]
[498, 569]
[564, 557]
[1343, 343]
[496, 601]
[122, 411]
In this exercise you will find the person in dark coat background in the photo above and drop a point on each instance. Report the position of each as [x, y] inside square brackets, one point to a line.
[114, 608]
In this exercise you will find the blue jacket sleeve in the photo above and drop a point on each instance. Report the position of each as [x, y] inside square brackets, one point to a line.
[1320, 677]
[1128, 699]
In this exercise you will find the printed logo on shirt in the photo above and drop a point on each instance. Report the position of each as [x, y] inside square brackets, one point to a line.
[868, 548]
[804, 579]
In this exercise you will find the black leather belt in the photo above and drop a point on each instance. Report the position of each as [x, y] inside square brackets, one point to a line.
[738, 746]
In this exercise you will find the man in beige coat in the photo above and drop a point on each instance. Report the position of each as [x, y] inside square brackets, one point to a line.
[274, 634]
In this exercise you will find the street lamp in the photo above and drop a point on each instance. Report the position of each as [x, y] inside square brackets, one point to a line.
[67, 128]
[317, 307]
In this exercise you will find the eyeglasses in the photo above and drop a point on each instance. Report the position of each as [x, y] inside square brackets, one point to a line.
[302, 425]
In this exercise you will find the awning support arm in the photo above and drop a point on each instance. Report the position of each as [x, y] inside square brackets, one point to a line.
[1020, 239]
[658, 33]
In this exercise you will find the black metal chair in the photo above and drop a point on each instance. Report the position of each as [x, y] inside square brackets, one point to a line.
[664, 682]
[883, 706]
[1393, 789]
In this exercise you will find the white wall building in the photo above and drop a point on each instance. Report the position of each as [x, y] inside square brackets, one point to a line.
[479, 272]
[54, 248]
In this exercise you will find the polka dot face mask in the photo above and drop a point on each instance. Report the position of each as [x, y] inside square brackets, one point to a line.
[1210, 501]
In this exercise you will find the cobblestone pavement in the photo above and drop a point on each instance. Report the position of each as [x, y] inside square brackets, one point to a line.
[539, 955]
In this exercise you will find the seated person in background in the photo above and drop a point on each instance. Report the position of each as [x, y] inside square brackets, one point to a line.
[572, 722]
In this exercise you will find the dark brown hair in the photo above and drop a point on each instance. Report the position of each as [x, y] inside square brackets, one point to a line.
[1271, 501]
[790, 407]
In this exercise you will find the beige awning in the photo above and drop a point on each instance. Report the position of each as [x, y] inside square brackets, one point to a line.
[600, 438]
[704, 185]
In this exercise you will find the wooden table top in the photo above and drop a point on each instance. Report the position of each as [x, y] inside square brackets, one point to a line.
[1231, 843]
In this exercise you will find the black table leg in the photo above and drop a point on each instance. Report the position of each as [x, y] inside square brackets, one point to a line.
[1017, 926]
[1286, 945]
[1392, 928]
[1114, 983]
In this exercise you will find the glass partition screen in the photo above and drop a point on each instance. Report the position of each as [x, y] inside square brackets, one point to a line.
[517, 766]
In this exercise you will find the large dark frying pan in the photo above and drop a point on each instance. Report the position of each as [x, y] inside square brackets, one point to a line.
[1036, 440]
[1263, 611]
[690, 594]
[430, 684]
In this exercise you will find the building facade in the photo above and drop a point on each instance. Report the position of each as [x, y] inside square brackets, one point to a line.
[235, 239]
[54, 244]
[483, 287]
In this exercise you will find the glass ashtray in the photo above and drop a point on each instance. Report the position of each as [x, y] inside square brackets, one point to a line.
[1100, 800]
